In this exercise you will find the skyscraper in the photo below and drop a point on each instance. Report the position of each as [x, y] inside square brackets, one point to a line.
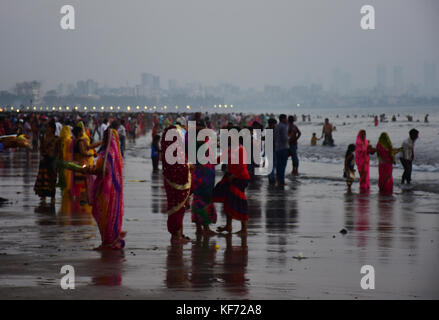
[430, 85]
[381, 78]
[398, 80]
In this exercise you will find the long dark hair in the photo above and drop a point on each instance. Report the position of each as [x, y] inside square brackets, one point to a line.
[351, 149]
[105, 140]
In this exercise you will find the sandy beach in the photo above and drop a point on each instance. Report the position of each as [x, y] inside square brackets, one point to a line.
[294, 249]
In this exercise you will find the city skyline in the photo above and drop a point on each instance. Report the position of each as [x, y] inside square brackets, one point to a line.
[390, 79]
[249, 44]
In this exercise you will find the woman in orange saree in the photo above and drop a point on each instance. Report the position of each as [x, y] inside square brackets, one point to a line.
[177, 181]
[386, 159]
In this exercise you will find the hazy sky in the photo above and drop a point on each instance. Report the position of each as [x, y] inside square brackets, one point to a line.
[246, 42]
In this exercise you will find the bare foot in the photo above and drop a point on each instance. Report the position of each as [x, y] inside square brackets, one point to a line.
[179, 240]
[224, 228]
[102, 248]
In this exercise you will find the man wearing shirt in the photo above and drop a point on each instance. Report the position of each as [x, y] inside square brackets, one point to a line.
[122, 137]
[280, 136]
[408, 155]
[294, 135]
[102, 128]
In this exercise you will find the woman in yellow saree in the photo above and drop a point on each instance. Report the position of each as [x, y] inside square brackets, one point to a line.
[89, 147]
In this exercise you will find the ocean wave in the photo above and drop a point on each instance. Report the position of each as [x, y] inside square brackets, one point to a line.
[373, 163]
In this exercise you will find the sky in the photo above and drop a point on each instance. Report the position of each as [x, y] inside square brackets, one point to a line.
[248, 43]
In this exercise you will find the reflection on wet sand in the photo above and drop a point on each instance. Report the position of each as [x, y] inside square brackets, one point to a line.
[394, 234]
[254, 204]
[109, 268]
[385, 226]
[72, 212]
[203, 260]
[409, 236]
[362, 219]
[157, 203]
[176, 270]
[199, 270]
[235, 267]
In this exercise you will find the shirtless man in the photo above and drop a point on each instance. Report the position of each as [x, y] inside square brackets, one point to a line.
[327, 133]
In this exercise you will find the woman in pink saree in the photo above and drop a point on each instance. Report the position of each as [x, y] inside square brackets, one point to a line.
[386, 159]
[362, 151]
[106, 192]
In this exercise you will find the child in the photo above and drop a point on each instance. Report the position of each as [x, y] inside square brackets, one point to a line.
[314, 139]
[349, 166]
[155, 152]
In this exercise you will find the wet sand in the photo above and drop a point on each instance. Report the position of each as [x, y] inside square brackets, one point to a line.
[398, 235]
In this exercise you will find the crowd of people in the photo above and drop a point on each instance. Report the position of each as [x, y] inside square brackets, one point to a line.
[359, 154]
[83, 154]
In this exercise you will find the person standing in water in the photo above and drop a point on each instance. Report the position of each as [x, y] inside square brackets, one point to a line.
[408, 155]
[349, 166]
[314, 139]
[327, 133]
[294, 135]
[362, 151]
[386, 160]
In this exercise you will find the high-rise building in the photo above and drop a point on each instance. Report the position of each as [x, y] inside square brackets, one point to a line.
[430, 85]
[381, 78]
[147, 79]
[341, 81]
[172, 84]
[398, 80]
[150, 85]
[150, 81]
[29, 88]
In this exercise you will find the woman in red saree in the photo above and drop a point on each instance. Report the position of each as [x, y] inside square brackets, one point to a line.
[106, 192]
[386, 159]
[231, 190]
[362, 151]
[177, 181]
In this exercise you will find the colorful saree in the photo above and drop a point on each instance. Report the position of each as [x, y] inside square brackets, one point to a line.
[86, 137]
[65, 177]
[203, 182]
[106, 193]
[177, 181]
[232, 194]
[386, 158]
[363, 161]
[45, 185]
